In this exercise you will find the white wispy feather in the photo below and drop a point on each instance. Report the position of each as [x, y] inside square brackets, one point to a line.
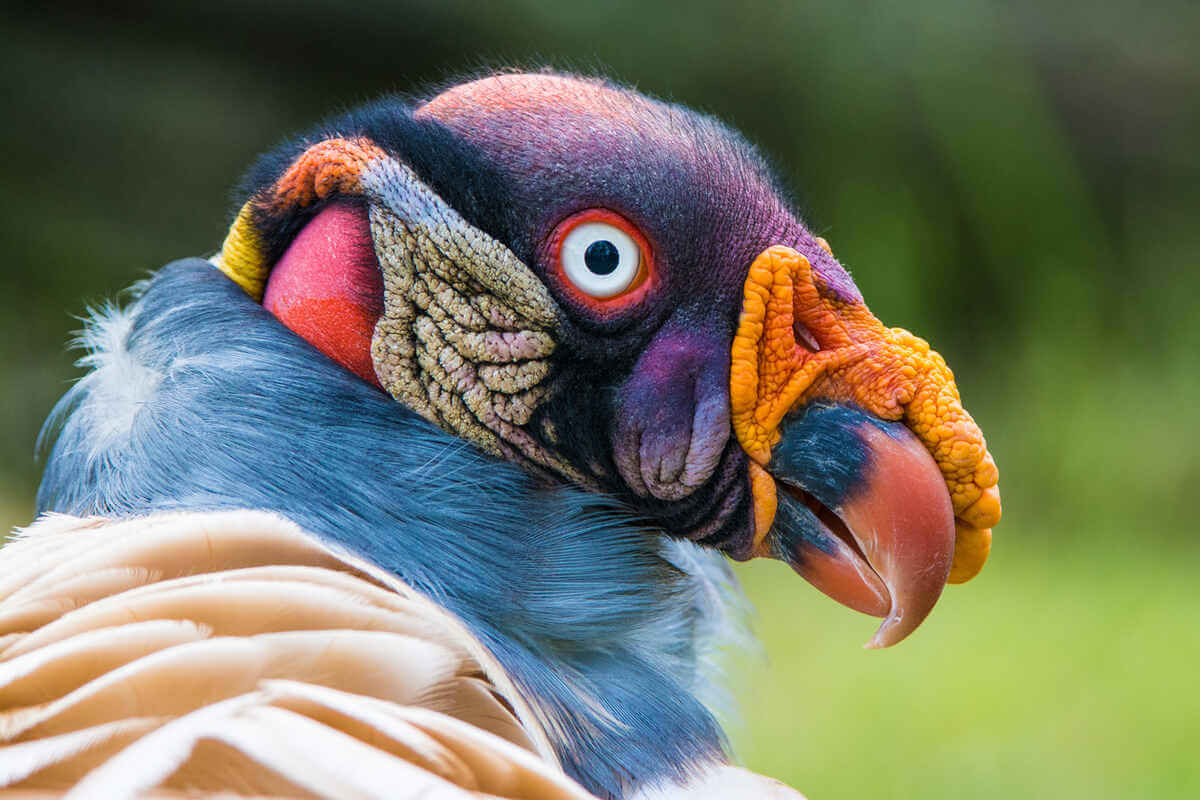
[118, 385]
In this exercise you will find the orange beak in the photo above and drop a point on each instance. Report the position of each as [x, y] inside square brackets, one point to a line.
[921, 509]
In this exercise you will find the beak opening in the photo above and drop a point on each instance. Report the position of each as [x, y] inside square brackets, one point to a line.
[885, 548]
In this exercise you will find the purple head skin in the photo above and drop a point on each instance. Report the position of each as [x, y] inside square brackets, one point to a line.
[680, 176]
[651, 378]
[672, 424]
[672, 416]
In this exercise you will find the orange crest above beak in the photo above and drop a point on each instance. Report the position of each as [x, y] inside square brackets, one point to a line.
[795, 343]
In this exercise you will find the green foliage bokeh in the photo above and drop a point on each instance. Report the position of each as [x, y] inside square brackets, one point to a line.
[1019, 183]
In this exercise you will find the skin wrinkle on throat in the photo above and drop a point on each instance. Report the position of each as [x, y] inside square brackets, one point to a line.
[460, 354]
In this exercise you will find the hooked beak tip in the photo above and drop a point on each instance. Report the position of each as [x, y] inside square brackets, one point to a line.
[887, 548]
[903, 520]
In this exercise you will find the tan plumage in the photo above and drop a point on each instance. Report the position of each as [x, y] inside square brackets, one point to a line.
[233, 654]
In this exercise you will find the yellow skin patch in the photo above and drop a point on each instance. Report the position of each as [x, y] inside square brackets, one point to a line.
[333, 166]
[889, 372]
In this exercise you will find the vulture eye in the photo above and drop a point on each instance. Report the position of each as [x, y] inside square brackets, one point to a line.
[600, 255]
[600, 259]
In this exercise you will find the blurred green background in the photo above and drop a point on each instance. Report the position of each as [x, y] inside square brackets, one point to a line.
[1017, 183]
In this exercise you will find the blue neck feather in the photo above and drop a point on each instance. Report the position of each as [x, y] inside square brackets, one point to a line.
[225, 408]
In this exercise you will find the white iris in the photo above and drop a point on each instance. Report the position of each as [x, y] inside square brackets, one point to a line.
[600, 259]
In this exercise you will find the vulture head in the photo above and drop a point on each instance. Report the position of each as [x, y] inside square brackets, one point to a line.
[516, 342]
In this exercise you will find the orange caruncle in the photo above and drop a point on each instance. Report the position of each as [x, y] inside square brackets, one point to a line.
[330, 167]
[853, 358]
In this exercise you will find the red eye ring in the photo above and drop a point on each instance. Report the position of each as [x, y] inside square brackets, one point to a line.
[637, 289]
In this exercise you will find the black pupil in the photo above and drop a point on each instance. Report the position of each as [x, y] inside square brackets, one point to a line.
[601, 257]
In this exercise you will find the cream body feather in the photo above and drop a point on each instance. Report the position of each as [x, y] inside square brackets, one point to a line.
[234, 654]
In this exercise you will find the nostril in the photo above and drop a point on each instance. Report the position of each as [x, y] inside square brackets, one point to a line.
[805, 338]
